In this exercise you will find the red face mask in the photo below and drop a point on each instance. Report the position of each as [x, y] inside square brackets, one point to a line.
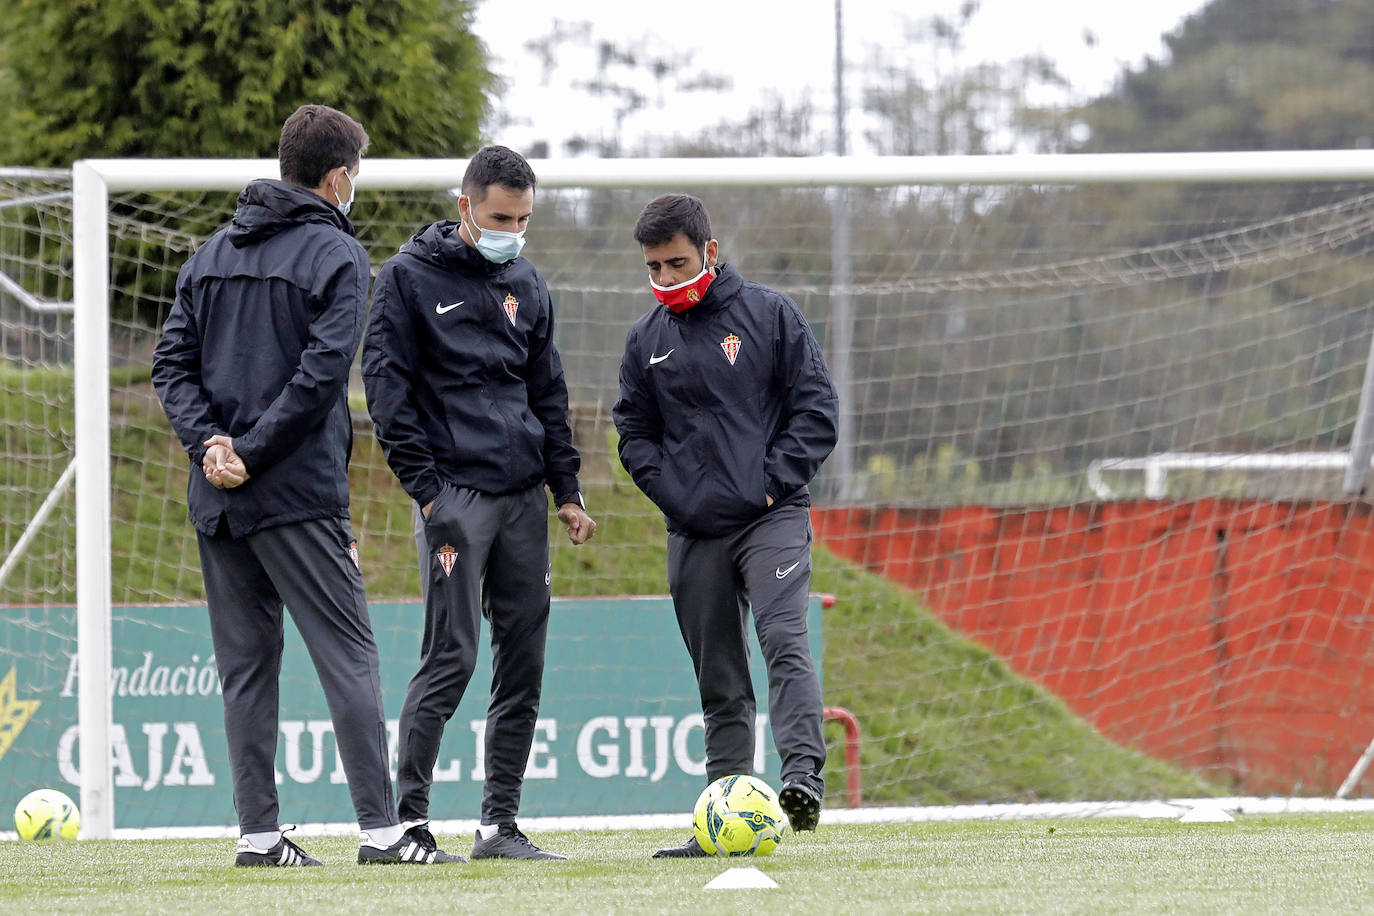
[683, 296]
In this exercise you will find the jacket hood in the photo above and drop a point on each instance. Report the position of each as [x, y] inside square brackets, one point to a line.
[267, 207]
[441, 244]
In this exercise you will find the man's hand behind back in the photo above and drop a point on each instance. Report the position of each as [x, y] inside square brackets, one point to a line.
[222, 465]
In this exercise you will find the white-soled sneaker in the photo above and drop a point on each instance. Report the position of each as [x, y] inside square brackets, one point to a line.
[284, 853]
[415, 847]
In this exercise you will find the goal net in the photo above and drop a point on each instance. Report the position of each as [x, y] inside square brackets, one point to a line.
[1092, 528]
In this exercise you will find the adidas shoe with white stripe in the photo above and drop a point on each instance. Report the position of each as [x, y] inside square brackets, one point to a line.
[415, 847]
[284, 853]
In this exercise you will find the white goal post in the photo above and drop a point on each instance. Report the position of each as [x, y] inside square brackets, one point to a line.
[95, 179]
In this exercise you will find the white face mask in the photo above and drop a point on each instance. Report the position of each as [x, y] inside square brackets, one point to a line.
[495, 245]
[352, 189]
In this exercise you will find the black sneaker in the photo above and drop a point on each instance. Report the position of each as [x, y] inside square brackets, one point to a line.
[802, 804]
[283, 853]
[508, 843]
[415, 847]
[688, 850]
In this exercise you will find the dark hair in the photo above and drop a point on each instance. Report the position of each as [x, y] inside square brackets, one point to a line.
[316, 139]
[664, 217]
[496, 165]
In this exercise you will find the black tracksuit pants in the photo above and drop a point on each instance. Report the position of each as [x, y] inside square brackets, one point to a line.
[715, 583]
[480, 555]
[305, 565]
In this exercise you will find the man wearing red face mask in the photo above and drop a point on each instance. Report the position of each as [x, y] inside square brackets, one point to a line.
[726, 411]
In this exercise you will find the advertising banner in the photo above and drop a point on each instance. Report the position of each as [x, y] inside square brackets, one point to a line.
[619, 730]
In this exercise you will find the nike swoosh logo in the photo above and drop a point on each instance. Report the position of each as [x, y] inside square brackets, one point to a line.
[655, 360]
[440, 309]
[782, 573]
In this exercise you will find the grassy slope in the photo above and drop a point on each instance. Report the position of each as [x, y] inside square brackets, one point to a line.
[942, 719]
[1289, 864]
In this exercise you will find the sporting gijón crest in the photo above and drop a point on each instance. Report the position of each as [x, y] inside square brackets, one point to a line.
[731, 347]
[510, 305]
[447, 557]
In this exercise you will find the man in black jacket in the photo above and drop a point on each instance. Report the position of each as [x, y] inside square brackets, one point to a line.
[726, 411]
[466, 389]
[252, 370]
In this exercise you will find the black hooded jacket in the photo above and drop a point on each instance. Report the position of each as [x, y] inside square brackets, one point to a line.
[463, 380]
[258, 346]
[724, 405]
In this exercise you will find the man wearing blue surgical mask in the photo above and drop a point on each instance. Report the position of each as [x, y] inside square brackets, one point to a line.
[466, 390]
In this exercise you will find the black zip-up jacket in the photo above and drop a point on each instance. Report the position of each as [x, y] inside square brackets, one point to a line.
[463, 380]
[724, 405]
[257, 346]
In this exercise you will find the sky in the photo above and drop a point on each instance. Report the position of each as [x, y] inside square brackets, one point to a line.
[786, 50]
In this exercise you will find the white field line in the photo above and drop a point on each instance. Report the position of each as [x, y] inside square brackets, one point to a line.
[1171, 808]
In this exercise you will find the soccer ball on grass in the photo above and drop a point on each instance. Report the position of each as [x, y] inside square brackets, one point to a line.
[46, 814]
[738, 816]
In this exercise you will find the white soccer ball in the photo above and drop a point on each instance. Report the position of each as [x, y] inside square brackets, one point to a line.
[738, 816]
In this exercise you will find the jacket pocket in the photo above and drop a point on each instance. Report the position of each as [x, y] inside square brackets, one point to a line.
[715, 480]
[736, 490]
[678, 476]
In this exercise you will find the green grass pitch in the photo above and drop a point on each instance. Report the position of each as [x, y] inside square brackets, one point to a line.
[1288, 863]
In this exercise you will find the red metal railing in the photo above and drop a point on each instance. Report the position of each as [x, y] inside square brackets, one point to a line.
[853, 775]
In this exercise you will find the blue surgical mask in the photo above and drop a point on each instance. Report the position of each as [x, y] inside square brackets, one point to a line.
[352, 189]
[496, 246]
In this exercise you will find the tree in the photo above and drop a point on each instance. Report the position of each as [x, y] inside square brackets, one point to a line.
[217, 78]
[1248, 74]
[1240, 75]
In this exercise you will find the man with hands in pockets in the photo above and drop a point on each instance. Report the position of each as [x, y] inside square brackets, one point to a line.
[726, 411]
